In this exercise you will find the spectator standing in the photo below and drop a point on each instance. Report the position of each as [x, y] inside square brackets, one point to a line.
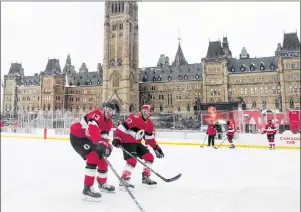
[211, 132]
[219, 131]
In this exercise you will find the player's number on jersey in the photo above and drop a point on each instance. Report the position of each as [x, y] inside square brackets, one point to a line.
[95, 116]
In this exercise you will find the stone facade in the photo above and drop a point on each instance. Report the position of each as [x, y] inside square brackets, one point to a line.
[271, 82]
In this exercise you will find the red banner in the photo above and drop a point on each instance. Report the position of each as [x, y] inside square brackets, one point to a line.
[294, 120]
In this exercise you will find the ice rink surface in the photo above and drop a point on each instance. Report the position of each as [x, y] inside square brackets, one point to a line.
[47, 176]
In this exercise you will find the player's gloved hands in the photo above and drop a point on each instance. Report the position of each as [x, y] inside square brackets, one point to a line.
[103, 149]
[116, 143]
[159, 152]
[207, 132]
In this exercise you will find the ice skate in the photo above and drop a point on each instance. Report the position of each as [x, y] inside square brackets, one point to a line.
[148, 181]
[89, 195]
[232, 147]
[127, 183]
[106, 187]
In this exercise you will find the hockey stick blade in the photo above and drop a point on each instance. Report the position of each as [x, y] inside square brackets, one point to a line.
[173, 178]
[153, 171]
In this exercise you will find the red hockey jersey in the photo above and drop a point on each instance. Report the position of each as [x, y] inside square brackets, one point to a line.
[270, 129]
[134, 129]
[231, 130]
[93, 126]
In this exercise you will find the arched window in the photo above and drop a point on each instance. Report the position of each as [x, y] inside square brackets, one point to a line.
[49, 107]
[161, 108]
[264, 105]
[292, 103]
[254, 104]
[277, 104]
[188, 107]
[278, 90]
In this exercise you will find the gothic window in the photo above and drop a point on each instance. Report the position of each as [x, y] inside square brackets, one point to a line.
[219, 91]
[254, 104]
[246, 91]
[44, 107]
[265, 90]
[261, 90]
[161, 108]
[241, 91]
[214, 91]
[264, 105]
[295, 89]
[188, 107]
[251, 91]
[278, 90]
[32, 108]
[48, 107]
[291, 89]
[211, 92]
[274, 90]
[115, 80]
[179, 108]
[277, 104]
[292, 103]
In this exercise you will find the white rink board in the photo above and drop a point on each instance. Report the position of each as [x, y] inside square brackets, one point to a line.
[284, 140]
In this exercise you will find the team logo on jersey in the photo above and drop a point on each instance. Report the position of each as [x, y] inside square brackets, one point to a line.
[86, 146]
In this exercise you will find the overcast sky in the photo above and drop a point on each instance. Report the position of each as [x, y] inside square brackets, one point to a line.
[32, 32]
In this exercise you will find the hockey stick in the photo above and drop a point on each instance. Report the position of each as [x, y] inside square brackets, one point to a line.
[124, 185]
[220, 144]
[161, 177]
[204, 141]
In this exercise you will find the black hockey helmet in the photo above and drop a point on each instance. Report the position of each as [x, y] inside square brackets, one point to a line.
[228, 122]
[270, 121]
[109, 105]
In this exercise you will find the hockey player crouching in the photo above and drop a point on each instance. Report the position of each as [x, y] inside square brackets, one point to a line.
[230, 134]
[90, 139]
[129, 135]
[270, 130]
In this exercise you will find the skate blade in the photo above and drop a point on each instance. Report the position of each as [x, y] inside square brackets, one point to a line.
[122, 188]
[150, 186]
[106, 191]
[91, 199]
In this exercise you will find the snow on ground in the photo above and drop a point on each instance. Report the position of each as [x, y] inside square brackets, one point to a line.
[46, 175]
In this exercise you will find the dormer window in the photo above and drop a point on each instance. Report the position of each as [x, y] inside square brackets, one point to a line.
[144, 79]
[262, 68]
[272, 66]
[232, 69]
[119, 62]
[90, 83]
[252, 68]
[185, 77]
[154, 78]
[197, 76]
[242, 68]
[189, 70]
[198, 69]
[81, 77]
[112, 62]
[98, 82]
[86, 83]
[170, 70]
[180, 77]
[169, 78]
[78, 84]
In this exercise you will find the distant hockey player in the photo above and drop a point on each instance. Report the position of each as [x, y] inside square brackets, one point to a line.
[129, 135]
[230, 134]
[211, 132]
[270, 130]
[90, 139]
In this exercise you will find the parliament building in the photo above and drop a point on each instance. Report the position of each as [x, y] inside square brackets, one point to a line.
[172, 85]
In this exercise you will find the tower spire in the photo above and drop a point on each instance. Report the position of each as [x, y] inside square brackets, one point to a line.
[179, 37]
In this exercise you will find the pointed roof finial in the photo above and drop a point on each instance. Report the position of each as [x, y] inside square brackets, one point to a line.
[179, 37]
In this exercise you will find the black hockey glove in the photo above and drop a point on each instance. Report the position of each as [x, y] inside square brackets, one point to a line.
[103, 149]
[159, 152]
[116, 143]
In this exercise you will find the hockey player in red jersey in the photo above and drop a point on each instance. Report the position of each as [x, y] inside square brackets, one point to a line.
[129, 135]
[270, 130]
[90, 139]
[230, 134]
